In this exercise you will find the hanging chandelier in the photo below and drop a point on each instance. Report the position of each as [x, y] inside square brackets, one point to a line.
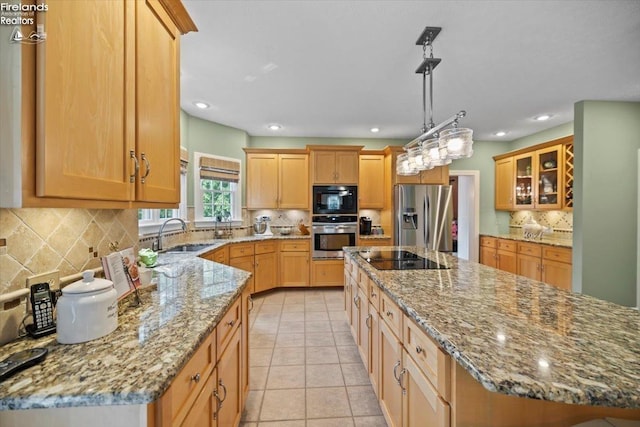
[438, 144]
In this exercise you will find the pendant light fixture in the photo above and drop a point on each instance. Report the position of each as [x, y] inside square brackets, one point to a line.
[433, 148]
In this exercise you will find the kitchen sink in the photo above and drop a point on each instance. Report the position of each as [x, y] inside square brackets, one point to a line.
[189, 248]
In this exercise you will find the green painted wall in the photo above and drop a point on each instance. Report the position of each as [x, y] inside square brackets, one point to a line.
[491, 221]
[208, 137]
[606, 144]
[301, 142]
[560, 131]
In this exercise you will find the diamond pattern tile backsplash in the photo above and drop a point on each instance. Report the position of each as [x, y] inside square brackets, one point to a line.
[69, 240]
[560, 221]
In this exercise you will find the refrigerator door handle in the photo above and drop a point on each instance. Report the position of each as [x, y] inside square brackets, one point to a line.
[425, 208]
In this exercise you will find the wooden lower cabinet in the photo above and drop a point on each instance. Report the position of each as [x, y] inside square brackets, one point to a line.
[364, 332]
[421, 404]
[228, 390]
[546, 263]
[374, 347]
[203, 411]
[220, 255]
[247, 305]
[390, 362]
[245, 263]
[556, 273]
[294, 264]
[266, 271]
[327, 272]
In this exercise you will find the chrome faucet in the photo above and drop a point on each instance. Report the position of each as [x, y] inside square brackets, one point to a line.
[159, 241]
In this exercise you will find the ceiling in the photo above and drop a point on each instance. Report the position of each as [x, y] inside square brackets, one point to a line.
[338, 68]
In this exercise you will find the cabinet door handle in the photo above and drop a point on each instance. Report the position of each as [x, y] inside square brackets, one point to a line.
[390, 314]
[402, 372]
[419, 349]
[395, 372]
[224, 397]
[136, 168]
[196, 378]
[368, 321]
[250, 301]
[230, 323]
[373, 294]
[147, 165]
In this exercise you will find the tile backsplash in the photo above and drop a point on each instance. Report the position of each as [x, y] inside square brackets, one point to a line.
[560, 221]
[68, 240]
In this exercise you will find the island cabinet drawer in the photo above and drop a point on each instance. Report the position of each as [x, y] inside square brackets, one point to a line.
[556, 254]
[227, 326]
[434, 363]
[240, 249]
[363, 281]
[296, 246]
[181, 395]
[488, 242]
[265, 247]
[391, 314]
[507, 245]
[531, 249]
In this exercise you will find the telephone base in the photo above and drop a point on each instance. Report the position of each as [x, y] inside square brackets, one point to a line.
[37, 333]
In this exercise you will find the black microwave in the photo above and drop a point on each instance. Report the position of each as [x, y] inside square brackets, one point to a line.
[335, 199]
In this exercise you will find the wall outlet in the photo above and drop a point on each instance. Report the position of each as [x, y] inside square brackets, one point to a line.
[52, 278]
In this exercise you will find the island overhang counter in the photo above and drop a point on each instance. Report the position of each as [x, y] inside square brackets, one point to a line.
[523, 350]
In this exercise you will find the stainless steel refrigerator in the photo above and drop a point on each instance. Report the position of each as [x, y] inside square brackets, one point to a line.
[423, 216]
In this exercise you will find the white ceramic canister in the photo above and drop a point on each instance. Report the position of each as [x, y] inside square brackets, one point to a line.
[87, 310]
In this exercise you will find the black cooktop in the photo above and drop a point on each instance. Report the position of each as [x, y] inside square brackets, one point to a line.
[391, 259]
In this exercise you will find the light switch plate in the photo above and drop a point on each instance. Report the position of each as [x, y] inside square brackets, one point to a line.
[52, 278]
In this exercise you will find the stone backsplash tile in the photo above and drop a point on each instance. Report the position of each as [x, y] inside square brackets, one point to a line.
[69, 240]
[560, 221]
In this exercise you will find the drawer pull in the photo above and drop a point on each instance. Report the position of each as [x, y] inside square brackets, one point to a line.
[390, 314]
[196, 378]
[419, 349]
[230, 323]
[373, 294]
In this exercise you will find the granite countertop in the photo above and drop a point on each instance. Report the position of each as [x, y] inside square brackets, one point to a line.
[136, 363]
[547, 239]
[521, 337]
[374, 236]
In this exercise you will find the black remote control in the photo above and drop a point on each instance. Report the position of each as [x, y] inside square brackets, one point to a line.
[21, 360]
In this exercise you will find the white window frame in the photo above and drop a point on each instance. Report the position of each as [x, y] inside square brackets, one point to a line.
[236, 199]
[154, 222]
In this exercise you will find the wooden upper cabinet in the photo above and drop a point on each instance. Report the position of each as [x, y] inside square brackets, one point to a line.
[371, 181]
[262, 180]
[538, 177]
[334, 164]
[157, 105]
[86, 118]
[293, 183]
[100, 120]
[504, 184]
[277, 180]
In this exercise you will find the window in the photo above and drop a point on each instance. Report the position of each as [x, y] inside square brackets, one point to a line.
[150, 220]
[216, 189]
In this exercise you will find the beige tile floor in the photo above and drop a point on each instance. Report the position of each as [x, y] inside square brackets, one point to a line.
[305, 370]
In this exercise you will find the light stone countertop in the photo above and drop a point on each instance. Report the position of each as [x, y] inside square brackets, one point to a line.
[546, 240]
[521, 337]
[136, 363]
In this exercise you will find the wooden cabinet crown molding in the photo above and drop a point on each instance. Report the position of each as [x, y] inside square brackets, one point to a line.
[275, 150]
[179, 15]
[335, 147]
[564, 140]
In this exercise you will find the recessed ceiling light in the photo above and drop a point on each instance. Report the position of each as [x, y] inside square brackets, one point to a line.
[500, 133]
[274, 126]
[542, 117]
[201, 104]
[375, 130]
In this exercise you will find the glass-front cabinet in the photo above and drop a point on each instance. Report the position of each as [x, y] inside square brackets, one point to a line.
[538, 177]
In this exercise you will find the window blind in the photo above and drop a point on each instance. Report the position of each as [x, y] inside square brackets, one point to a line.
[219, 169]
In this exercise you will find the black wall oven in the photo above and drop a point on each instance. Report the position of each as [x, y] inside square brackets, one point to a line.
[335, 199]
[330, 233]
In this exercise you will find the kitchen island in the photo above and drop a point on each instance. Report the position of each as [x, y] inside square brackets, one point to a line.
[136, 364]
[522, 352]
